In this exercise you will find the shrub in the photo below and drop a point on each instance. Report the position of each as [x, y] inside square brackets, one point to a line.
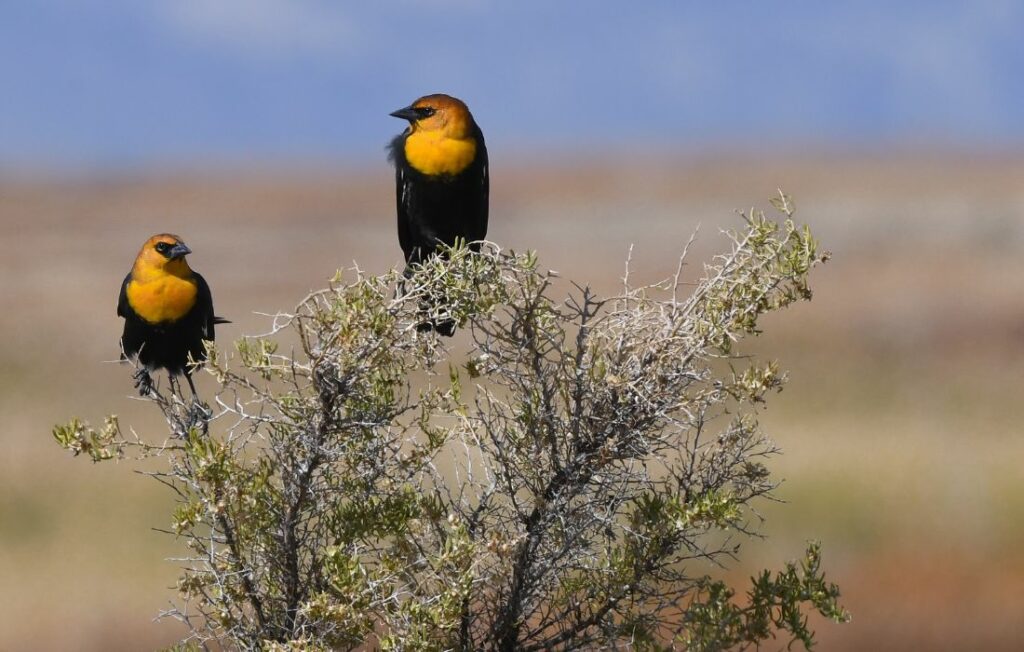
[560, 486]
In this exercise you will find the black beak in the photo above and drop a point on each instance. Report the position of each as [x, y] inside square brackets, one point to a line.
[408, 113]
[178, 251]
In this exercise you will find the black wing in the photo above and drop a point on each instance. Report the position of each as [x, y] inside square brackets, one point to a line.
[485, 190]
[204, 308]
[131, 339]
[404, 190]
[403, 193]
[123, 309]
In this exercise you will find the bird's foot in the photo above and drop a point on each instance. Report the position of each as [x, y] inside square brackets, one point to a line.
[143, 381]
[445, 327]
[198, 416]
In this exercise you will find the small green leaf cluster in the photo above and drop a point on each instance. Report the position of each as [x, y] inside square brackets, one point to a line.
[773, 604]
[104, 443]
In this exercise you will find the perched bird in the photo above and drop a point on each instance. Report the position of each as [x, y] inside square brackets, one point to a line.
[167, 310]
[441, 181]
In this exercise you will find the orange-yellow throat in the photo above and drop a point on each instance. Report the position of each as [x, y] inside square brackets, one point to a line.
[163, 296]
[434, 154]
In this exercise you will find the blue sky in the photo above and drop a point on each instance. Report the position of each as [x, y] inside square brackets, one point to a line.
[124, 82]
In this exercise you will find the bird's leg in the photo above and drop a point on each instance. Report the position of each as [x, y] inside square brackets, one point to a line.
[199, 413]
[143, 381]
[406, 275]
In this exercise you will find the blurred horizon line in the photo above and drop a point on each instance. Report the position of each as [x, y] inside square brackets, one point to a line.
[599, 156]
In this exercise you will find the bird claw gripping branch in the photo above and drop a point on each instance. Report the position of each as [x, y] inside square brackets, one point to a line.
[143, 381]
[198, 417]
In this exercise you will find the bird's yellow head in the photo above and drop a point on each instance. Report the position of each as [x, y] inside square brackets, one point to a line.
[439, 113]
[162, 254]
[441, 139]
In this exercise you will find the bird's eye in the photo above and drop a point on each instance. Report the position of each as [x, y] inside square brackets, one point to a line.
[426, 112]
[163, 247]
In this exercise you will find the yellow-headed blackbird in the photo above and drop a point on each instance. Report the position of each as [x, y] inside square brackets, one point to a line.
[167, 310]
[441, 181]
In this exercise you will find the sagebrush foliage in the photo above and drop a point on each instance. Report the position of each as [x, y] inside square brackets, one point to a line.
[557, 487]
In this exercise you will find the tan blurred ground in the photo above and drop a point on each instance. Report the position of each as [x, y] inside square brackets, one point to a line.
[901, 426]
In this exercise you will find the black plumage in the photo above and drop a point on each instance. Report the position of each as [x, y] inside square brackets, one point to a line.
[440, 208]
[168, 345]
[179, 309]
[442, 184]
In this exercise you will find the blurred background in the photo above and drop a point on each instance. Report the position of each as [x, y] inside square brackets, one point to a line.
[256, 130]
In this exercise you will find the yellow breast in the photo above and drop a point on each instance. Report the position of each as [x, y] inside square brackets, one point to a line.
[434, 154]
[163, 299]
